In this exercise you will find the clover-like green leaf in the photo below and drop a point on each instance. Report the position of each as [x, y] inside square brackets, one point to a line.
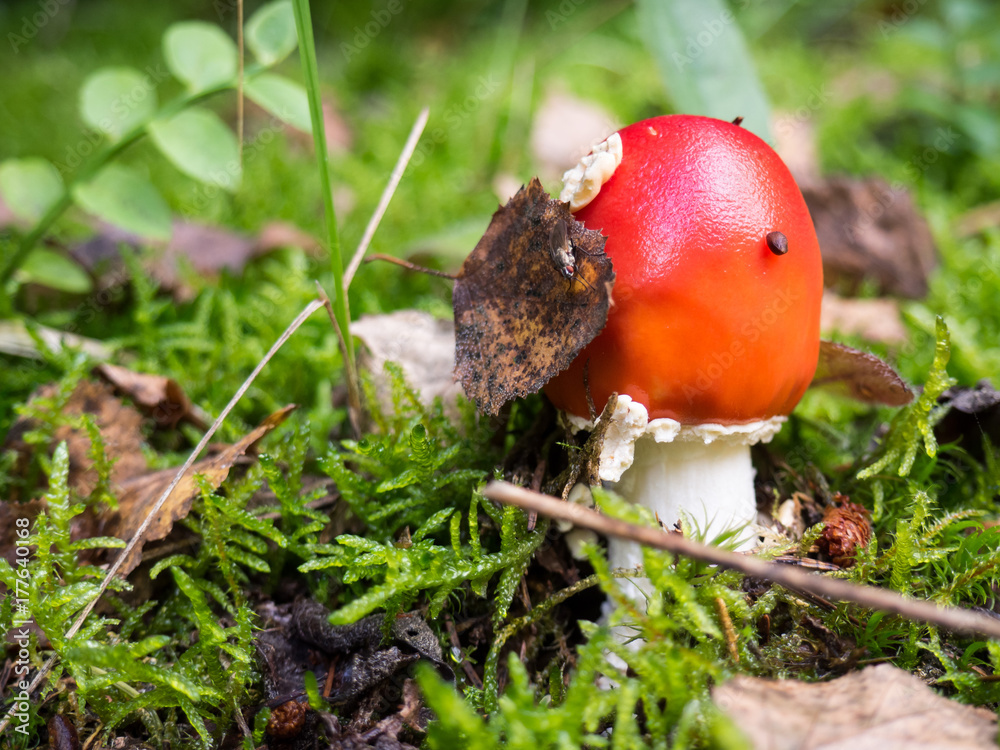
[200, 55]
[116, 100]
[199, 144]
[122, 197]
[270, 32]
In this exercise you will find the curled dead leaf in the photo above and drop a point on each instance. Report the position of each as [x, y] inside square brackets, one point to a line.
[159, 396]
[856, 374]
[535, 290]
[141, 493]
[879, 708]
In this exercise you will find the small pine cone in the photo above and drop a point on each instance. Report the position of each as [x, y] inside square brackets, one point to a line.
[287, 720]
[848, 526]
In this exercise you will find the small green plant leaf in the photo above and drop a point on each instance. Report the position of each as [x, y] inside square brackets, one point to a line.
[270, 32]
[283, 98]
[30, 187]
[55, 271]
[200, 55]
[199, 144]
[704, 61]
[124, 198]
[116, 100]
[915, 423]
[76, 595]
[148, 645]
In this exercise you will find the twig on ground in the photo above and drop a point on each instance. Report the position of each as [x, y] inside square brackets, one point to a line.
[141, 531]
[390, 189]
[411, 266]
[961, 621]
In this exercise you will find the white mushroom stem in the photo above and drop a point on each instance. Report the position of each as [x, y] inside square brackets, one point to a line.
[698, 475]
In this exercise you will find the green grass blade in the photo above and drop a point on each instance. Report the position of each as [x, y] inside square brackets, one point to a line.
[704, 61]
[310, 71]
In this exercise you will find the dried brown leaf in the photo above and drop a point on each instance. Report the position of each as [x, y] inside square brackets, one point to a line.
[140, 493]
[879, 708]
[120, 428]
[869, 229]
[973, 416]
[159, 396]
[424, 346]
[859, 375]
[523, 310]
[207, 250]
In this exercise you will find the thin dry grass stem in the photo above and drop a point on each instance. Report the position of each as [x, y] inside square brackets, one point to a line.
[140, 532]
[390, 189]
[728, 629]
[411, 266]
[962, 621]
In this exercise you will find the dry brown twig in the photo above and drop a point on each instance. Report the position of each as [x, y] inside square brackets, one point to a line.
[390, 189]
[957, 620]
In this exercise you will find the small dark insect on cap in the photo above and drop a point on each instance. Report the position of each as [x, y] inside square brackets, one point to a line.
[738, 120]
[777, 243]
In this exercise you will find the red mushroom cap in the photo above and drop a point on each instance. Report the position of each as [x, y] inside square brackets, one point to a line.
[711, 322]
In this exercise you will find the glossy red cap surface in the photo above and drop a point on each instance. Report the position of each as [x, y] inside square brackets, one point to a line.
[708, 323]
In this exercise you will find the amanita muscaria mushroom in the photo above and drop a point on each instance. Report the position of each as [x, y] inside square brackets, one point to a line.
[714, 332]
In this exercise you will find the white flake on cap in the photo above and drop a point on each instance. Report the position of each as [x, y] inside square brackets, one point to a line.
[582, 183]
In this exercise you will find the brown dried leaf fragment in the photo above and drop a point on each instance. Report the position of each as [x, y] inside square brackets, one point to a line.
[869, 229]
[139, 494]
[879, 708]
[120, 426]
[859, 375]
[534, 292]
[159, 396]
